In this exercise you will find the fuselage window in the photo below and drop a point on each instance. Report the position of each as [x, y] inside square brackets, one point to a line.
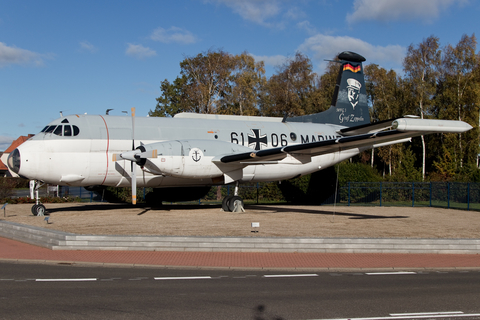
[67, 131]
[76, 130]
[58, 131]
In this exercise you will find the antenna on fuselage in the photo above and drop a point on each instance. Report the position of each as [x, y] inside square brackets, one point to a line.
[108, 110]
[61, 114]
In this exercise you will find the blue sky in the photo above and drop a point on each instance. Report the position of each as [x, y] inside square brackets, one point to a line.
[89, 56]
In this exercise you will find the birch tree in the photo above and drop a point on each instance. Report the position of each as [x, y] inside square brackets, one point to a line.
[458, 98]
[421, 70]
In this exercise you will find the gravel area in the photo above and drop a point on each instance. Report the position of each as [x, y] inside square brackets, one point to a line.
[274, 220]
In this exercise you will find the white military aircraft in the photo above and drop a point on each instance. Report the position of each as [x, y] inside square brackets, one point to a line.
[181, 157]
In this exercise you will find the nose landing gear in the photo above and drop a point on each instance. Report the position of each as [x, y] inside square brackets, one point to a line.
[38, 209]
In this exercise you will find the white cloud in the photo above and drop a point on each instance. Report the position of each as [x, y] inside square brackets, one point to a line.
[295, 13]
[85, 45]
[327, 47]
[139, 52]
[307, 26]
[257, 11]
[5, 142]
[173, 34]
[6, 139]
[14, 55]
[271, 60]
[385, 10]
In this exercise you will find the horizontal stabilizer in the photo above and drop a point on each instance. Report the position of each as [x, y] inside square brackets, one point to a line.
[428, 125]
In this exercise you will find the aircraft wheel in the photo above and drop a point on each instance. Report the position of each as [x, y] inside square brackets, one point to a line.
[226, 203]
[236, 204]
[38, 210]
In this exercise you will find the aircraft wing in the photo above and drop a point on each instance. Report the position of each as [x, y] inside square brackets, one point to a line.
[403, 129]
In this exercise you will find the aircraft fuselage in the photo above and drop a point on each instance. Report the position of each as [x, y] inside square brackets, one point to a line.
[77, 150]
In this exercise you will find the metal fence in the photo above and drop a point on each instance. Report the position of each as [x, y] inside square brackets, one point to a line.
[455, 195]
[59, 191]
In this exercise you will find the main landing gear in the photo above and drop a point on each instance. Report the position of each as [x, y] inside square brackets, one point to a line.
[38, 209]
[233, 203]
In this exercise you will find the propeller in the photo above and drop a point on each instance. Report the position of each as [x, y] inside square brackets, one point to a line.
[137, 156]
[134, 174]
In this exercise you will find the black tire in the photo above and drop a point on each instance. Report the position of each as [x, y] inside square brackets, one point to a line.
[41, 210]
[235, 200]
[226, 203]
[38, 209]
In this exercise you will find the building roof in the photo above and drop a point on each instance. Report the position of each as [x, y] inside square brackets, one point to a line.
[18, 142]
[3, 167]
[12, 147]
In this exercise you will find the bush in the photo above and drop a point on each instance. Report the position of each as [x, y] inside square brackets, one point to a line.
[6, 188]
[21, 200]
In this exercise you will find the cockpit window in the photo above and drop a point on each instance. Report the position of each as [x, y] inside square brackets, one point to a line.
[67, 131]
[50, 129]
[65, 121]
[58, 131]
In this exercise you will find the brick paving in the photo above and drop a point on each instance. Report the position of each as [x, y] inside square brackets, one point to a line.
[11, 250]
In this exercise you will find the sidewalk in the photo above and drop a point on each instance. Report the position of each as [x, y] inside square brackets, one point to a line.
[14, 251]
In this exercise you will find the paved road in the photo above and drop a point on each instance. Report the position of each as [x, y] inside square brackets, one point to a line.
[66, 292]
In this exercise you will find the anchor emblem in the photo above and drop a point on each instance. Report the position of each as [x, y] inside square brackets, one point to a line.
[196, 154]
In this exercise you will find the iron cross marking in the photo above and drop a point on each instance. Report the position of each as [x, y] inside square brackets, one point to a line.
[257, 139]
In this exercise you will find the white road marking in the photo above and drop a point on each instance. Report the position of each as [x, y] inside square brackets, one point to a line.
[424, 313]
[389, 273]
[66, 280]
[290, 275]
[182, 278]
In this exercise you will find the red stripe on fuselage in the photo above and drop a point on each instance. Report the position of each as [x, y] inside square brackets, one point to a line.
[106, 152]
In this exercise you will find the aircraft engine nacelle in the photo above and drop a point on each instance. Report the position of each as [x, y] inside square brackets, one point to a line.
[189, 158]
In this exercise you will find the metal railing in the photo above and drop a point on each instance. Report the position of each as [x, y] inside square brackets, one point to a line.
[455, 195]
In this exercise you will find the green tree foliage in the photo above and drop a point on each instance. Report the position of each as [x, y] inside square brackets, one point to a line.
[213, 82]
[173, 99]
[421, 69]
[203, 80]
[293, 90]
[407, 171]
[458, 99]
[384, 95]
[242, 94]
[356, 172]
[324, 94]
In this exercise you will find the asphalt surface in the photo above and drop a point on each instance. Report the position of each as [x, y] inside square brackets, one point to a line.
[32, 291]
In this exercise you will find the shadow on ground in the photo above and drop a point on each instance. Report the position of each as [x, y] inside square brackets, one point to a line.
[323, 212]
[263, 208]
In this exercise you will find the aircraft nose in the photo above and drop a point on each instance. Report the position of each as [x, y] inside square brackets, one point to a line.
[13, 161]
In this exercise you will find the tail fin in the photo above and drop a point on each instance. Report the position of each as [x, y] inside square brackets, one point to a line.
[349, 102]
